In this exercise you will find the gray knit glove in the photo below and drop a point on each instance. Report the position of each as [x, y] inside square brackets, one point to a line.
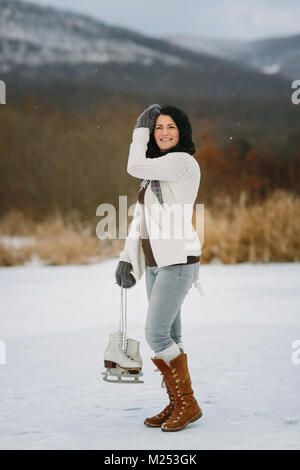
[124, 276]
[148, 117]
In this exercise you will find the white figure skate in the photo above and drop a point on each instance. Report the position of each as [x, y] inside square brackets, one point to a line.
[122, 356]
[118, 363]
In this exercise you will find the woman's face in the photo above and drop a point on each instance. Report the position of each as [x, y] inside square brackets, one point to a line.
[166, 132]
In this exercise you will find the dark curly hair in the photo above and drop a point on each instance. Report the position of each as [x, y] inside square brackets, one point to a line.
[185, 143]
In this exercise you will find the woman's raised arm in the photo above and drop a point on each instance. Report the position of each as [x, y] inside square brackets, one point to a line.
[170, 167]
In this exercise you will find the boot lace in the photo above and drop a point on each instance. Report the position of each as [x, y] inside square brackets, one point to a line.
[175, 416]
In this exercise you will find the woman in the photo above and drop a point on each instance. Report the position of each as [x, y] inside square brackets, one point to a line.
[161, 154]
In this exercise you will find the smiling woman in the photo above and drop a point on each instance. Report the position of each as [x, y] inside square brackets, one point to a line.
[166, 132]
[172, 123]
[162, 151]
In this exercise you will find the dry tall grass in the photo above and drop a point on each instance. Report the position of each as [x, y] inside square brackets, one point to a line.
[56, 240]
[263, 232]
[233, 233]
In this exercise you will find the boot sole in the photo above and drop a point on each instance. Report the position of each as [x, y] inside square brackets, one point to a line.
[152, 425]
[197, 416]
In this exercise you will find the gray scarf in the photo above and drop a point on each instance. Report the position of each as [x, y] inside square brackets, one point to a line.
[155, 187]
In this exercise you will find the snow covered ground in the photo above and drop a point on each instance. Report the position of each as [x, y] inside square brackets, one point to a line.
[55, 323]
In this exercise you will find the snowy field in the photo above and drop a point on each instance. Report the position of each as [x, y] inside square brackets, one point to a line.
[55, 323]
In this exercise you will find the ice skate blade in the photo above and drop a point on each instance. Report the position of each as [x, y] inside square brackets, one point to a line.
[120, 372]
[121, 379]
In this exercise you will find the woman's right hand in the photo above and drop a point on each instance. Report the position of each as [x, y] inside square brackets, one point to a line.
[148, 117]
[124, 276]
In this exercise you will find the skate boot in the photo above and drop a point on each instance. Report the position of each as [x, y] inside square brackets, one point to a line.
[133, 350]
[118, 364]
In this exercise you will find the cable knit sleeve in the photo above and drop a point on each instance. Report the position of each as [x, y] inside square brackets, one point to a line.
[170, 167]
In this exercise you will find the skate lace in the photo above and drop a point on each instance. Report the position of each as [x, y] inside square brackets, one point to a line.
[124, 353]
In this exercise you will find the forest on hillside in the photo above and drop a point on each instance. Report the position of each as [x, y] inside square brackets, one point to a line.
[62, 162]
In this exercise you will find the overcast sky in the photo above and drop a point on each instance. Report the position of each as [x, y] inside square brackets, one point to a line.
[244, 19]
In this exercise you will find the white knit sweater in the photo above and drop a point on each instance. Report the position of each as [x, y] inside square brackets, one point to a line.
[172, 239]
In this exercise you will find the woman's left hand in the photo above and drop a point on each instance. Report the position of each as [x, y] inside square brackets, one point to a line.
[148, 117]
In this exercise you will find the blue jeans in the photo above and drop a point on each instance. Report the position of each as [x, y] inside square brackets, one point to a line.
[167, 288]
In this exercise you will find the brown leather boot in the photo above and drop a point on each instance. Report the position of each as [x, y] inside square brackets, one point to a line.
[186, 408]
[157, 420]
